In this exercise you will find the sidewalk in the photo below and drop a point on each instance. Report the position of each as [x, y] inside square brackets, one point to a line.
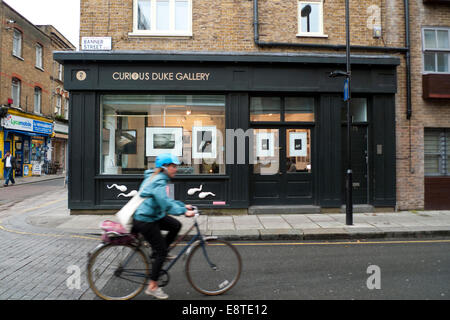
[33, 179]
[405, 224]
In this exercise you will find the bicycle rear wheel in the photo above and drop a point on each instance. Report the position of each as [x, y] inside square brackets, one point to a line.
[117, 272]
[213, 268]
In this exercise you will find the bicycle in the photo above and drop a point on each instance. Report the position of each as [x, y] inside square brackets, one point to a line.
[119, 268]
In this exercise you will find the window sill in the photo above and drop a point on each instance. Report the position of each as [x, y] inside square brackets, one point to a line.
[306, 35]
[160, 35]
[20, 58]
[39, 68]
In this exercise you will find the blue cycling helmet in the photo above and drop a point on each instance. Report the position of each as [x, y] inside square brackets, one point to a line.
[166, 159]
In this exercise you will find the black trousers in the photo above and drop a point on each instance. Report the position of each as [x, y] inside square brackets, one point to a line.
[152, 233]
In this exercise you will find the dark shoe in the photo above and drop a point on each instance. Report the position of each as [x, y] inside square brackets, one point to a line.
[5, 185]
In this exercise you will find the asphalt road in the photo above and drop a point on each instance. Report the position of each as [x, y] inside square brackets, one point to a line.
[323, 270]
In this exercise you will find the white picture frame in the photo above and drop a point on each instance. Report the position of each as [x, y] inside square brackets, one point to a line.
[163, 140]
[204, 142]
[265, 144]
[298, 144]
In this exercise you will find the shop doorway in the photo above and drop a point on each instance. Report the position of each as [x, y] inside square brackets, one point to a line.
[360, 163]
[282, 171]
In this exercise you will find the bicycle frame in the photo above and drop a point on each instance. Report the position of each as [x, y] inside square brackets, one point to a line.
[197, 237]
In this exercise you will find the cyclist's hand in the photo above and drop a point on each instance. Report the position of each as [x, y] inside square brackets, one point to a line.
[188, 206]
[189, 213]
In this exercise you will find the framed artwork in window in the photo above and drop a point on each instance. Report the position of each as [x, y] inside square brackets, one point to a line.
[204, 142]
[164, 140]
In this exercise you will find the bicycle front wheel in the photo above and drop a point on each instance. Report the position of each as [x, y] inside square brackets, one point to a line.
[213, 267]
[117, 272]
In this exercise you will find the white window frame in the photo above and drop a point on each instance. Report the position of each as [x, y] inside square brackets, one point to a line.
[435, 50]
[16, 85]
[58, 105]
[301, 33]
[17, 43]
[66, 108]
[38, 99]
[60, 71]
[153, 31]
[39, 56]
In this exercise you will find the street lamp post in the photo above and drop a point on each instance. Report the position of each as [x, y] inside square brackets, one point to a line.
[347, 97]
[349, 202]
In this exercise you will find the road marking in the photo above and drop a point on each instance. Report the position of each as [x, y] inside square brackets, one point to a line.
[43, 205]
[356, 242]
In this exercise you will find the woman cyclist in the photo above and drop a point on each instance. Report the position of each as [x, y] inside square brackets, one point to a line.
[152, 216]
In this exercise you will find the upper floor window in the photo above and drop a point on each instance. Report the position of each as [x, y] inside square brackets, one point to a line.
[310, 18]
[58, 105]
[37, 100]
[66, 109]
[39, 51]
[15, 92]
[17, 43]
[436, 49]
[162, 17]
[60, 71]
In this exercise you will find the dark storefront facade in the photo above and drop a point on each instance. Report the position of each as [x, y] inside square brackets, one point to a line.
[126, 108]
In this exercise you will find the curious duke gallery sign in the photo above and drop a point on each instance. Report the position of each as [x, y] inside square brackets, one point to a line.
[161, 76]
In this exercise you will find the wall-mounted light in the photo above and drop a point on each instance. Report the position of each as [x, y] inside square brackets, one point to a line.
[10, 21]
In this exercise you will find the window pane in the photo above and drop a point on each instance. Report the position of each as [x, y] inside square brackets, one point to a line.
[15, 92]
[144, 9]
[430, 39]
[442, 37]
[37, 100]
[136, 128]
[181, 15]
[358, 110]
[265, 109]
[266, 151]
[432, 142]
[442, 62]
[432, 164]
[162, 15]
[39, 56]
[310, 18]
[17, 43]
[299, 109]
[298, 150]
[430, 61]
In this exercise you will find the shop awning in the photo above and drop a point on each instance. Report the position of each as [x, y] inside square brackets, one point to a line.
[25, 133]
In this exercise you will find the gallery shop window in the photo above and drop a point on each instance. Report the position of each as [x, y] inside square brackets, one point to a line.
[37, 100]
[17, 43]
[289, 109]
[162, 17]
[135, 129]
[437, 152]
[310, 18]
[15, 92]
[436, 50]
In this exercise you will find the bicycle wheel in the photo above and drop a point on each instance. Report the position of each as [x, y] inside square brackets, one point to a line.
[213, 268]
[117, 272]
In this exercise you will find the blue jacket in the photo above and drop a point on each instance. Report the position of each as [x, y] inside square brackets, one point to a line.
[158, 203]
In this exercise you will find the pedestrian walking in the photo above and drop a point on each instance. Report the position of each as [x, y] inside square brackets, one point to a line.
[9, 163]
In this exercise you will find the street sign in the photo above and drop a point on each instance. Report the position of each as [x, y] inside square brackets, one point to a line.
[346, 93]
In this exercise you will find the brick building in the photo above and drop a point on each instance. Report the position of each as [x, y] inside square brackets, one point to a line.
[208, 66]
[31, 93]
